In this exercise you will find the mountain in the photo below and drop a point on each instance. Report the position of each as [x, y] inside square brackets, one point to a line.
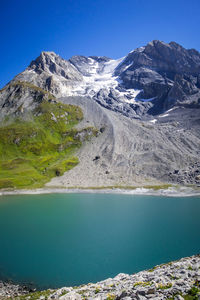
[145, 105]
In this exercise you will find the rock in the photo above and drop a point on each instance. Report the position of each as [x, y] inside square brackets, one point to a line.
[151, 290]
[58, 173]
[97, 157]
[71, 296]
[167, 281]
[178, 297]
[140, 297]
[141, 291]
[197, 177]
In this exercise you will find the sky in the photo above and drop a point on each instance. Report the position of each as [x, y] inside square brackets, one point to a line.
[109, 28]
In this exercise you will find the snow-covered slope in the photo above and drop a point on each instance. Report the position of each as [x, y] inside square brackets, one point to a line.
[100, 75]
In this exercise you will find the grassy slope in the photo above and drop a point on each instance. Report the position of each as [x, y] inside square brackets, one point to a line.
[32, 152]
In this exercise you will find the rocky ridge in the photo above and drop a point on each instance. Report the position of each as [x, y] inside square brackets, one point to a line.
[146, 82]
[173, 280]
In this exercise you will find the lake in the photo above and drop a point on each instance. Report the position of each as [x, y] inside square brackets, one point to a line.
[56, 240]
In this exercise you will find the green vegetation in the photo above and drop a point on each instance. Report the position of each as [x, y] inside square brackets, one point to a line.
[34, 295]
[158, 187]
[123, 187]
[97, 290]
[111, 297]
[64, 293]
[164, 286]
[34, 151]
[142, 283]
[156, 267]
[193, 294]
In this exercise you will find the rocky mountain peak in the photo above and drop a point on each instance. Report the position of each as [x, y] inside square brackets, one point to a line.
[148, 81]
[52, 63]
[44, 59]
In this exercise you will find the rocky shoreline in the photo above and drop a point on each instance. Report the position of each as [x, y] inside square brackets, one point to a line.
[175, 280]
[9, 290]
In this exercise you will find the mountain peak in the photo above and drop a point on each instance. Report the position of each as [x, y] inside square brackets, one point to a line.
[48, 53]
[45, 58]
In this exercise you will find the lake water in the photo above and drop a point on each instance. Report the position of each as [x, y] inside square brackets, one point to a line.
[59, 240]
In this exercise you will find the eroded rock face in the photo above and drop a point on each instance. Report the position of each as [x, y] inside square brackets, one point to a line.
[166, 72]
[19, 98]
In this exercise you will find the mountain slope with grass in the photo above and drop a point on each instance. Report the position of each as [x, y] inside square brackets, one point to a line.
[146, 105]
[41, 144]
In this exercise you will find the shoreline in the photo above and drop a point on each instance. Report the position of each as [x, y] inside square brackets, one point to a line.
[173, 280]
[171, 191]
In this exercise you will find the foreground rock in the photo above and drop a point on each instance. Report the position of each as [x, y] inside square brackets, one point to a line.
[8, 289]
[173, 280]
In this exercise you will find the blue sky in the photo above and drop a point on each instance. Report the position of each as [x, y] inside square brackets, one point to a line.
[90, 27]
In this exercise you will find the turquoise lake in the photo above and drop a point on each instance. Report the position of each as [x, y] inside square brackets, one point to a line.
[56, 240]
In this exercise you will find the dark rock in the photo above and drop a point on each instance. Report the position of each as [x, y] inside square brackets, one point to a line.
[102, 129]
[96, 158]
[58, 173]
[176, 171]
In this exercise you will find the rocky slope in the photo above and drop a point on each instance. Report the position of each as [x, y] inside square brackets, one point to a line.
[146, 106]
[177, 280]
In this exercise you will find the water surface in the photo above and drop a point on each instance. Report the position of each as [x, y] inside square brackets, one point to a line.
[59, 240]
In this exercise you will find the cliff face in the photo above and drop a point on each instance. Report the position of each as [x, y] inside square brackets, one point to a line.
[168, 73]
[146, 105]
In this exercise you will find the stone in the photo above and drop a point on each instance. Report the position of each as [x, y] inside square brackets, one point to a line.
[178, 297]
[71, 296]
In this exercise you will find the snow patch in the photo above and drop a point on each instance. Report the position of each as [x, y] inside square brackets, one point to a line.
[153, 121]
[100, 76]
[173, 108]
[147, 100]
[165, 115]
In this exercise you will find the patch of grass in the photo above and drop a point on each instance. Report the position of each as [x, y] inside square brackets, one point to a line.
[32, 152]
[123, 187]
[97, 290]
[34, 295]
[164, 286]
[193, 294]
[142, 283]
[111, 297]
[158, 187]
[64, 293]
[152, 269]
[194, 291]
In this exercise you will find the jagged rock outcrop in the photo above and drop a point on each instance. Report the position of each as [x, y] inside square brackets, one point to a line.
[21, 97]
[52, 73]
[167, 74]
